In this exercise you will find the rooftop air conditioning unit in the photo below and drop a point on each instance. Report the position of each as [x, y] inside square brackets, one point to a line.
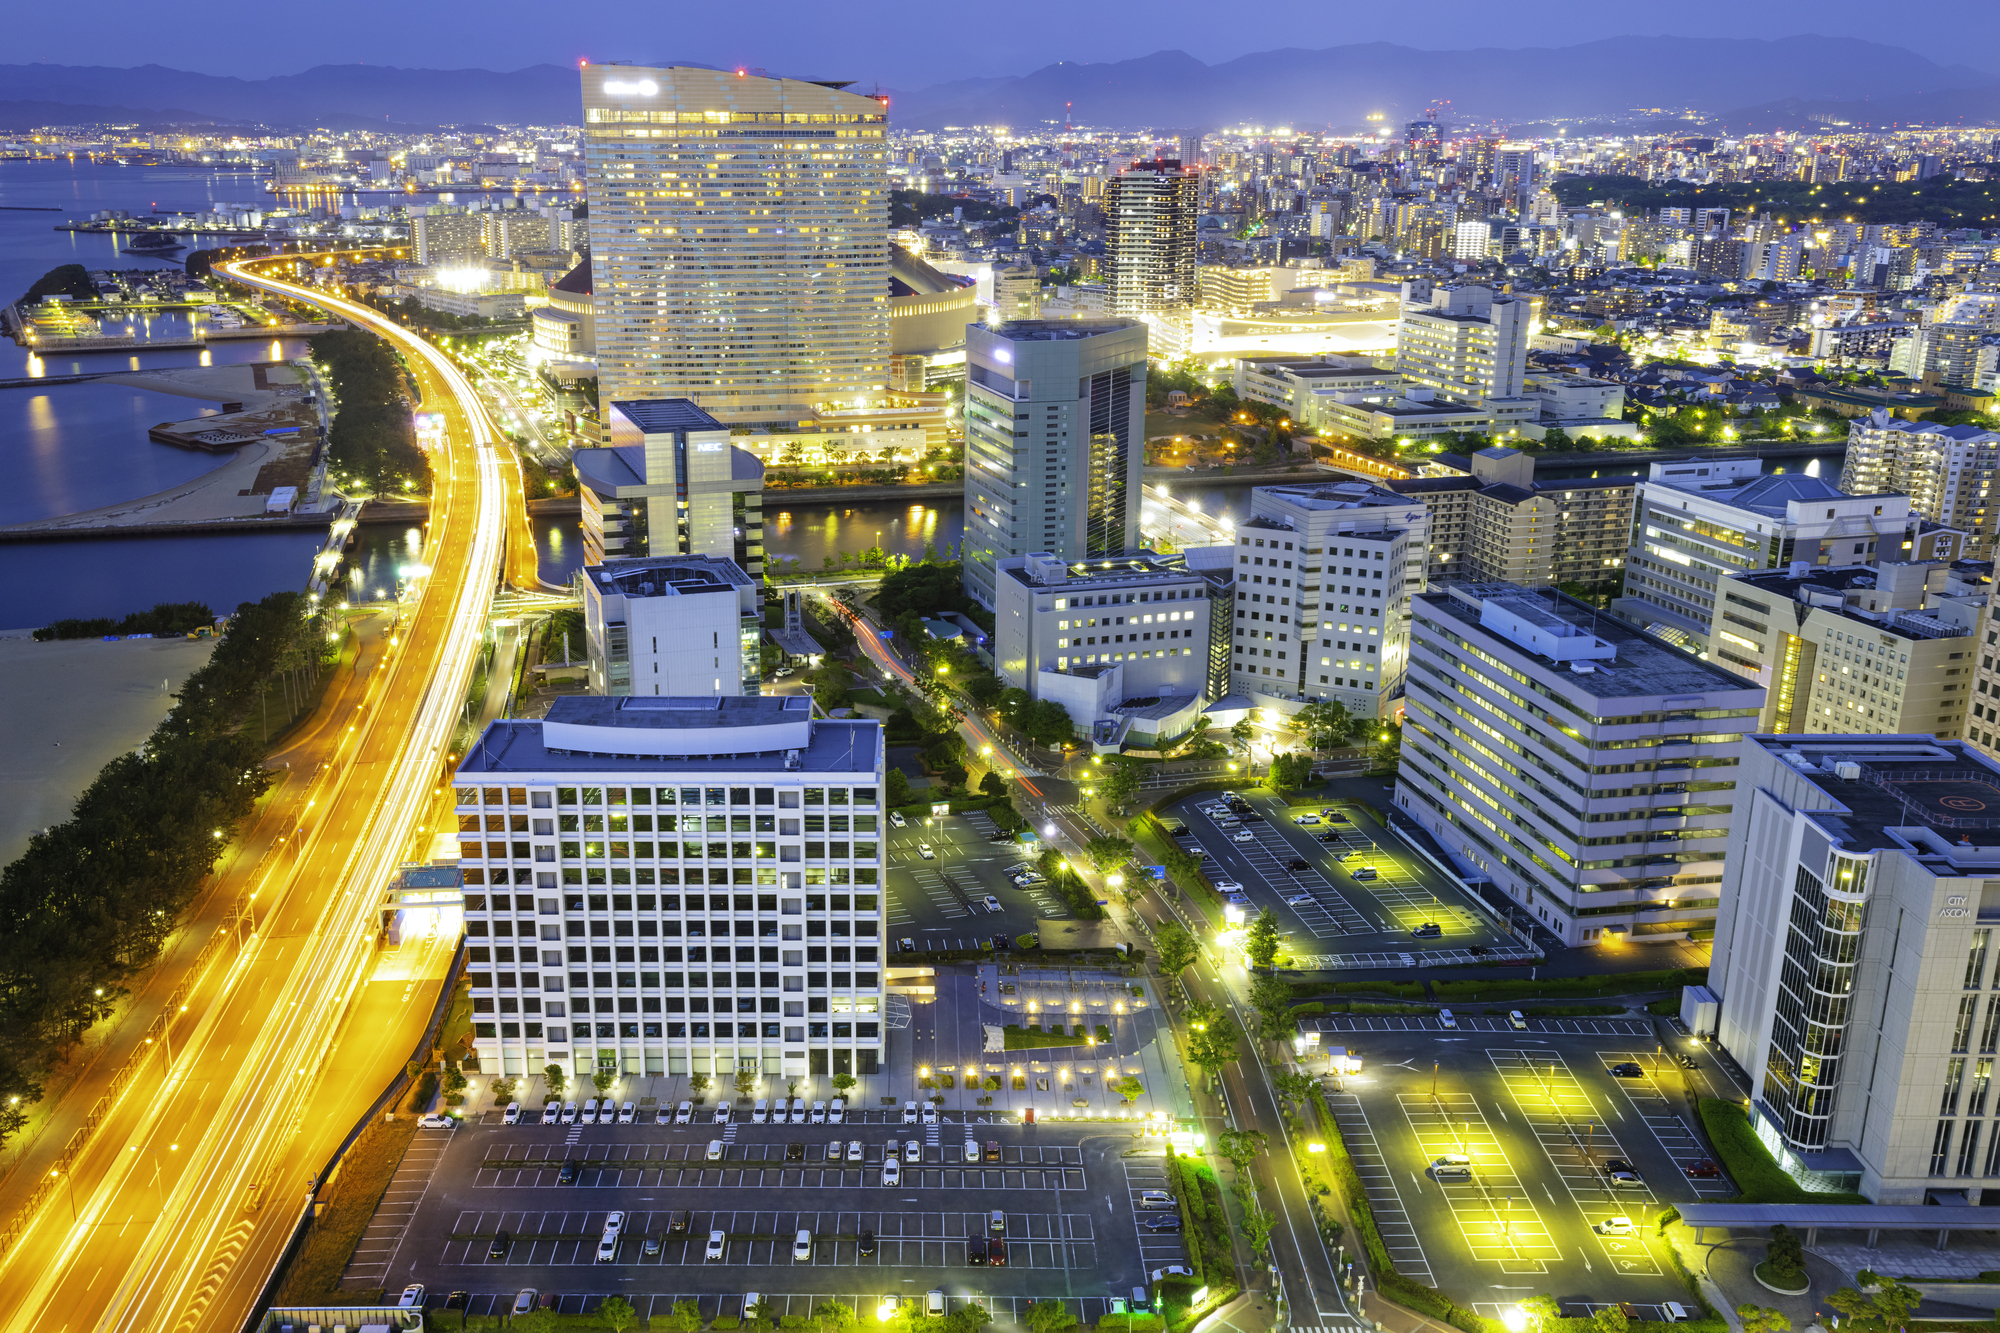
[1847, 770]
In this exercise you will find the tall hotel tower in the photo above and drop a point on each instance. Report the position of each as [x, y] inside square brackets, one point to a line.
[739, 240]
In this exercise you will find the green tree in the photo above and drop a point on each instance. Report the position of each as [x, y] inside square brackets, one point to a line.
[602, 1080]
[1541, 1309]
[898, 784]
[454, 1080]
[833, 1316]
[1852, 1304]
[1272, 999]
[617, 1313]
[968, 1318]
[1048, 723]
[1131, 1089]
[1323, 723]
[1212, 1038]
[1177, 948]
[1260, 941]
[685, 1317]
[1762, 1319]
[1108, 851]
[760, 1316]
[746, 1083]
[1893, 1300]
[1611, 1319]
[1289, 772]
[1243, 731]
[1049, 1317]
[556, 1078]
[1120, 782]
[1299, 1089]
[1786, 1254]
[1241, 1147]
[1257, 1224]
[699, 1083]
[843, 1083]
[993, 784]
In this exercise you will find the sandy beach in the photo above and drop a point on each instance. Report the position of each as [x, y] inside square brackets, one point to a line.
[71, 708]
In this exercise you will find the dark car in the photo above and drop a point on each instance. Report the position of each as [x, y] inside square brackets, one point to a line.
[1248, 815]
[1163, 1224]
[1001, 943]
[1689, 1062]
[652, 1244]
[568, 1174]
[866, 1243]
[795, 1152]
[458, 1300]
[1617, 1164]
[1626, 1069]
[975, 1253]
[1430, 930]
[502, 1241]
[1477, 950]
[1329, 837]
[1702, 1170]
[1298, 863]
[1176, 828]
[996, 1253]
[681, 1222]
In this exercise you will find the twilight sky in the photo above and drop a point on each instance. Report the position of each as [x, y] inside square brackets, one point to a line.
[910, 43]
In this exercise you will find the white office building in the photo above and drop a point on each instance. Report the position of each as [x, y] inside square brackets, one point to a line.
[1586, 769]
[675, 886]
[670, 483]
[1855, 965]
[672, 626]
[1324, 577]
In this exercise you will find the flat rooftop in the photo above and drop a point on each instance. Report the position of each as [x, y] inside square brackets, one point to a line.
[735, 734]
[667, 576]
[1064, 330]
[658, 416]
[1340, 495]
[1642, 665]
[1105, 571]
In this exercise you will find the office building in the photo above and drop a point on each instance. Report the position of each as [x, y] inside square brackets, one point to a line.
[1882, 648]
[1695, 523]
[1586, 768]
[672, 626]
[1855, 966]
[1130, 646]
[1947, 472]
[1468, 344]
[670, 483]
[442, 239]
[640, 834]
[1054, 418]
[1324, 577]
[739, 239]
[1493, 522]
[565, 329]
[1150, 211]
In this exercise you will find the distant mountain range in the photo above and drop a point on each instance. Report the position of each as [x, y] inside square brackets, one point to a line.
[1729, 84]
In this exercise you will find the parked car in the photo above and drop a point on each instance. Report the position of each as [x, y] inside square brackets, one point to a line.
[975, 1251]
[412, 1297]
[909, 1113]
[1298, 900]
[1306, 820]
[1702, 1170]
[1243, 835]
[1615, 1226]
[971, 1150]
[629, 1112]
[896, 819]
[1328, 837]
[924, 850]
[435, 1122]
[864, 1244]
[551, 1112]
[652, 1246]
[1156, 1199]
[512, 1115]
[718, 1242]
[892, 1174]
[503, 1239]
[568, 1174]
[1365, 872]
[1172, 1270]
[1517, 1019]
[1429, 930]
[1448, 1020]
[855, 1150]
[1627, 1069]
[992, 1150]
[527, 1301]
[664, 1116]
[795, 1151]
[1163, 1224]
[722, 1115]
[913, 1152]
[684, 1114]
[996, 1253]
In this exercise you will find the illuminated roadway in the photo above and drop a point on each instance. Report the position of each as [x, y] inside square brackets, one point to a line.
[191, 1189]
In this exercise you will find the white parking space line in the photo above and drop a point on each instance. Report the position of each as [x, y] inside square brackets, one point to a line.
[1492, 1207]
[1392, 1220]
[1577, 1141]
[1674, 1135]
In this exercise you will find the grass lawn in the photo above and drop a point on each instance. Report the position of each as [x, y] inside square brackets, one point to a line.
[1028, 1039]
[1750, 1164]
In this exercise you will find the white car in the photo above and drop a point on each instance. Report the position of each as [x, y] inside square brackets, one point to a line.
[1228, 886]
[913, 1152]
[782, 672]
[1306, 820]
[854, 1150]
[1298, 900]
[892, 1174]
[924, 850]
[909, 1113]
[930, 1114]
[1172, 1270]
[569, 1113]
[896, 819]
[412, 1297]
[718, 1241]
[435, 1122]
[818, 1113]
[512, 1115]
[991, 903]
[1448, 1020]
[971, 1149]
[1243, 835]
[721, 1115]
[664, 1116]
[889, 1308]
[684, 1114]
[550, 1112]
[802, 1247]
[1616, 1226]
[627, 1113]
[526, 1300]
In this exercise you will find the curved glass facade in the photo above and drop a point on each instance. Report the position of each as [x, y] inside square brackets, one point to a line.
[1815, 990]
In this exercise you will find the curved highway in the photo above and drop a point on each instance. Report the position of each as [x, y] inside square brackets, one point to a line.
[195, 1180]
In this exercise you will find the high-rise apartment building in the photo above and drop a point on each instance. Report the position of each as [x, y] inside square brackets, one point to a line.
[684, 625]
[1054, 418]
[1150, 211]
[1855, 965]
[671, 483]
[1468, 344]
[1496, 523]
[1587, 768]
[739, 240]
[1695, 523]
[1324, 577]
[441, 238]
[1947, 472]
[1853, 648]
[507, 231]
[675, 886]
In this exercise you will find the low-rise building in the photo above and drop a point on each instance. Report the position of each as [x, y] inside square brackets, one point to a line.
[675, 886]
[1583, 767]
[1493, 521]
[474, 304]
[670, 483]
[645, 619]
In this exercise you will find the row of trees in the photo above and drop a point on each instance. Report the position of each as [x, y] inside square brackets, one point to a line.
[374, 439]
[92, 900]
[164, 618]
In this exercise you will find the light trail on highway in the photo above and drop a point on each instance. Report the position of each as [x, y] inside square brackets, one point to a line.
[240, 1126]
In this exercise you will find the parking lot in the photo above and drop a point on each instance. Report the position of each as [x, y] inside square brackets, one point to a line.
[939, 901]
[1498, 1159]
[492, 1209]
[1359, 898]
